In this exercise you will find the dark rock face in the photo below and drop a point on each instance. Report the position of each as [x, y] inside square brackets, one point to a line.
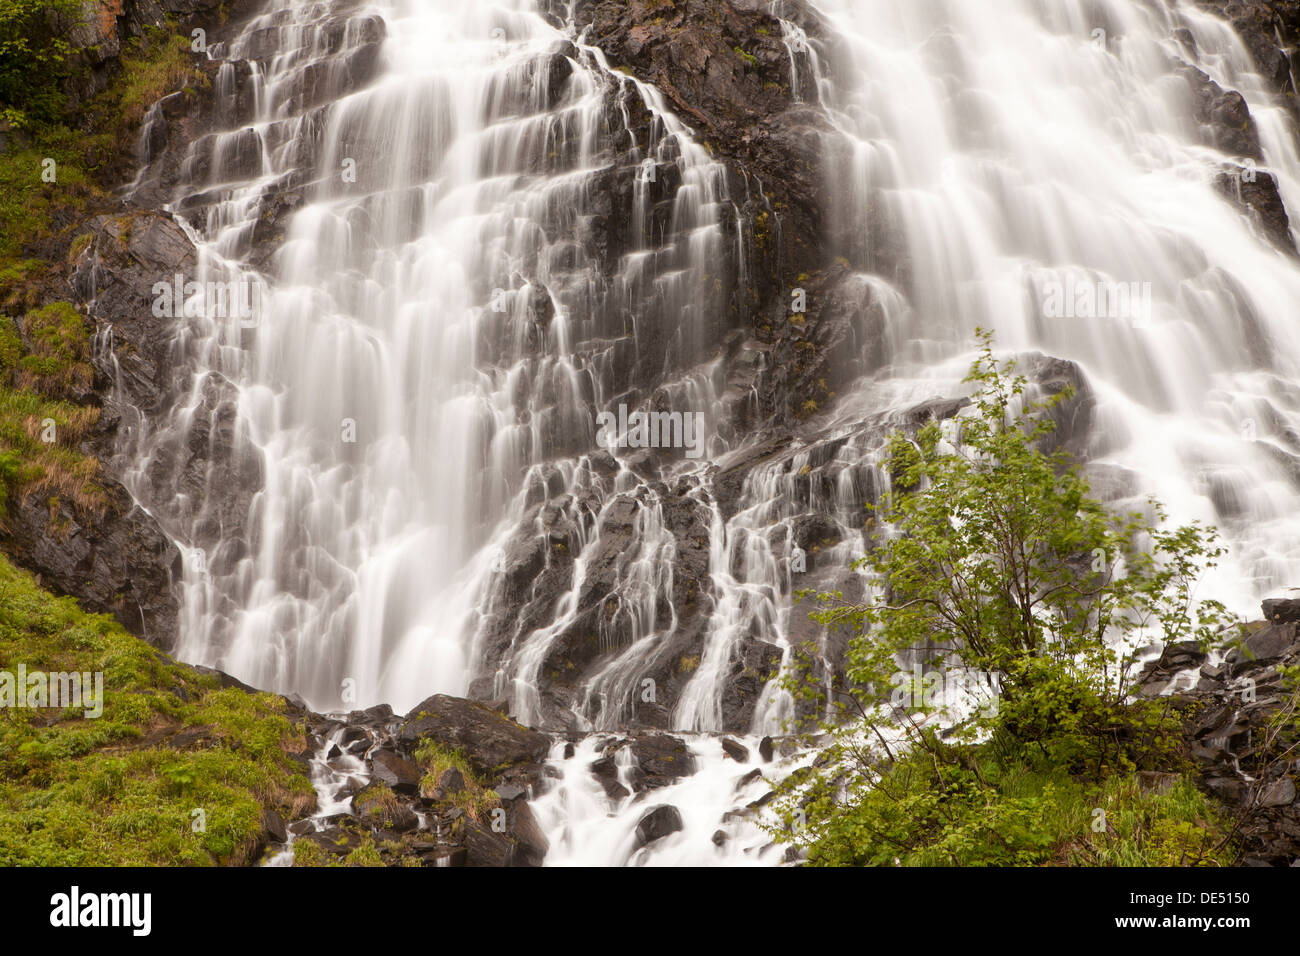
[1225, 118]
[114, 275]
[117, 562]
[142, 364]
[725, 71]
[1256, 192]
[489, 741]
[1270, 30]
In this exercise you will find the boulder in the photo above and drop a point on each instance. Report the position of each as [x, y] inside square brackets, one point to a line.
[735, 750]
[1266, 642]
[489, 741]
[661, 759]
[401, 775]
[1282, 610]
[657, 824]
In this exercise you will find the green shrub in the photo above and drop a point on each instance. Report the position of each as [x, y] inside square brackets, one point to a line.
[990, 558]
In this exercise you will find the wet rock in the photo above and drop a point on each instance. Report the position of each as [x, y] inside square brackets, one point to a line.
[750, 670]
[765, 749]
[436, 854]
[661, 759]
[1256, 192]
[489, 741]
[1270, 30]
[657, 824]
[118, 562]
[1268, 642]
[351, 786]
[1282, 611]
[356, 740]
[1225, 119]
[401, 775]
[273, 828]
[606, 773]
[735, 750]
[532, 843]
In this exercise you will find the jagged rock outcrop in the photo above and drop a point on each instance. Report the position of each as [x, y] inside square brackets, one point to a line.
[114, 560]
[1241, 727]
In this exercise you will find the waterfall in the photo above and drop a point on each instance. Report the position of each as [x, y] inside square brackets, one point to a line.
[1048, 152]
[490, 237]
[439, 333]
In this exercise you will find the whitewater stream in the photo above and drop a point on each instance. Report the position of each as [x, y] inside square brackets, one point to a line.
[435, 336]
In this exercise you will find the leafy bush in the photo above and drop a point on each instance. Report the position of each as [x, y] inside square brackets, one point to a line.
[991, 558]
[32, 56]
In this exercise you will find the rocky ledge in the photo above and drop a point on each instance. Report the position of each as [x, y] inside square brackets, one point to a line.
[1241, 728]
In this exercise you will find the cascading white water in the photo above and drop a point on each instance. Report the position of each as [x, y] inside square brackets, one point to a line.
[1019, 144]
[419, 349]
[437, 337]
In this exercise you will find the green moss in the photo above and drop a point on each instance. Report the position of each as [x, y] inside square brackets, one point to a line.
[476, 799]
[747, 57]
[109, 791]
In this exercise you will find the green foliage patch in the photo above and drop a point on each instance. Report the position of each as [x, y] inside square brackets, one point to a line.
[990, 558]
[123, 788]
